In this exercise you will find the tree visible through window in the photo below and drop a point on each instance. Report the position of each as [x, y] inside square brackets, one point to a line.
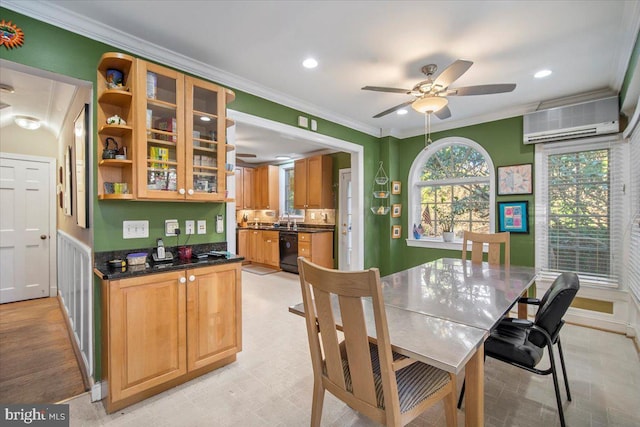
[452, 188]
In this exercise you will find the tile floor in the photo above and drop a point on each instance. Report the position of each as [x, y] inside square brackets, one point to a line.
[271, 382]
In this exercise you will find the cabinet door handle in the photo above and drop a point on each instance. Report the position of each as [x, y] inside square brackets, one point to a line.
[190, 191]
[183, 280]
[268, 241]
[181, 191]
[192, 278]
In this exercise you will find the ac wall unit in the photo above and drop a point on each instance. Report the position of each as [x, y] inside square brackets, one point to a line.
[572, 121]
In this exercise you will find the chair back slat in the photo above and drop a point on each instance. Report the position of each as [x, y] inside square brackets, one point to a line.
[357, 348]
[329, 336]
[495, 242]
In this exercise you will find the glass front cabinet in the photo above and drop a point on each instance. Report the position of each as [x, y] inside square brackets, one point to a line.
[181, 142]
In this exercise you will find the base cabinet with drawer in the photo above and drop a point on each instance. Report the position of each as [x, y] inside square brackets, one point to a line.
[160, 330]
[317, 247]
[259, 246]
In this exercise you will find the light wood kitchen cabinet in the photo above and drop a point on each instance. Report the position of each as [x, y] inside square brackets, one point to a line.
[317, 247]
[244, 188]
[260, 246]
[115, 99]
[181, 136]
[313, 183]
[271, 248]
[158, 330]
[214, 314]
[243, 245]
[267, 187]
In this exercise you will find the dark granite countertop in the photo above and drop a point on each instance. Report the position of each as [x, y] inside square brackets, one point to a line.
[299, 229]
[107, 272]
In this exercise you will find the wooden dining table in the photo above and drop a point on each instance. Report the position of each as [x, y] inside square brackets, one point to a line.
[442, 311]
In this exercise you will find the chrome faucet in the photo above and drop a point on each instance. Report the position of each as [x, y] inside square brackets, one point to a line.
[288, 221]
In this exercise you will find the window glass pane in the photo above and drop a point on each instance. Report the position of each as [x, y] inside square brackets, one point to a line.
[288, 191]
[455, 161]
[579, 214]
[457, 207]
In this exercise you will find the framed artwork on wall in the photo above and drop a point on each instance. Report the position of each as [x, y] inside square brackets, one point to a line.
[396, 210]
[513, 217]
[515, 179]
[396, 231]
[395, 187]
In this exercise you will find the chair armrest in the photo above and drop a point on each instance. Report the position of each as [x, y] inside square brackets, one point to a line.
[527, 300]
[519, 323]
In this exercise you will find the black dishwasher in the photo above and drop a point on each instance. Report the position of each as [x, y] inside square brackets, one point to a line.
[289, 251]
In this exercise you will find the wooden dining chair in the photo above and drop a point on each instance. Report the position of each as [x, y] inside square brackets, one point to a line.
[495, 242]
[363, 372]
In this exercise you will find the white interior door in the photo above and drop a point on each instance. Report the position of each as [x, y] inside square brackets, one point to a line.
[25, 238]
[345, 241]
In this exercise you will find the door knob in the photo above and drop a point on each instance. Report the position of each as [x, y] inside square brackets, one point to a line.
[192, 278]
[190, 191]
[43, 236]
[181, 191]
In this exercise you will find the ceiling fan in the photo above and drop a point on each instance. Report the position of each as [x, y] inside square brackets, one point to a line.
[430, 95]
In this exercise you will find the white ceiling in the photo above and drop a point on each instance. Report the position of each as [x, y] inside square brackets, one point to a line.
[34, 96]
[258, 47]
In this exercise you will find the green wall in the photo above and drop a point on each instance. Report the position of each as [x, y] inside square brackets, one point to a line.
[503, 141]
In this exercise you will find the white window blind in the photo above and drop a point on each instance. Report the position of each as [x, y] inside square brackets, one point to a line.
[634, 249]
[580, 209]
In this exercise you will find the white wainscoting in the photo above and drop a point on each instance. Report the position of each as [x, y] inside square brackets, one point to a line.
[75, 288]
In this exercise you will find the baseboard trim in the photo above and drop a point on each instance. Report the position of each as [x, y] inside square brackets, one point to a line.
[96, 392]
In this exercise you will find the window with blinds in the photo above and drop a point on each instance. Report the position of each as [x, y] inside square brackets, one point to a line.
[634, 250]
[580, 209]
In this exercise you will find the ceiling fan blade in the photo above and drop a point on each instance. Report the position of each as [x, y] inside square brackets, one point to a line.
[483, 89]
[392, 109]
[443, 113]
[245, 155]
[452, 73]
[386, 89]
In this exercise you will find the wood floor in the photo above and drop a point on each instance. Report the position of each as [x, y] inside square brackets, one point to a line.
[37, 362]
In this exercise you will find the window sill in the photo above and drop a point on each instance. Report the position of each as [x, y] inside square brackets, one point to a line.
[436, 243]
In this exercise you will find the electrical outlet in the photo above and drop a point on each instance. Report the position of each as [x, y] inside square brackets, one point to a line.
[189, 226]
[170, 226]
[135, 229]
[202, 226]
[313, 215]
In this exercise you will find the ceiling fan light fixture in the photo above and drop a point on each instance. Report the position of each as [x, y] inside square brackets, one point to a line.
[310, 63]
[429, 104]
[26, 122]
[542, 74]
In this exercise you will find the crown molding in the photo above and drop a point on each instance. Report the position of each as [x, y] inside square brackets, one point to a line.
[630, 22]
[95, 30]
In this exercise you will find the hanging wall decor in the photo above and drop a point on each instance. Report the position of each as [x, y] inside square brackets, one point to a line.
[515, 179]
[10, 35]
[380, 193]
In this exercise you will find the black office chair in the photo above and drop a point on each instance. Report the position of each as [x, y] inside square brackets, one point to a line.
[521, 342]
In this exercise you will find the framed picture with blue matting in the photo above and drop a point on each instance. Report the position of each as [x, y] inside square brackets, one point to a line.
[513, 217]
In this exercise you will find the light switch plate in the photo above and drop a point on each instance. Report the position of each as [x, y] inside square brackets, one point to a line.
[202, 226]
[314, 125]
[170, 226]
[303, 121]
[135, 229]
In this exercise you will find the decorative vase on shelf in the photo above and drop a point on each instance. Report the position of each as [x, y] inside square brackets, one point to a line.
[447, 236]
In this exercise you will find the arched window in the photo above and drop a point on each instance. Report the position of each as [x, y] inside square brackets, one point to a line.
[451, 189]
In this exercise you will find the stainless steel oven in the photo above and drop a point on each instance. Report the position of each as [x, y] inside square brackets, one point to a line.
[289, 251]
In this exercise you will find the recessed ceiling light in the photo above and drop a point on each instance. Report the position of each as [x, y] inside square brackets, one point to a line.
[283, 157]
[542, 73]
[205, 119]
[27, 122]
[402, 112]
[310, 63]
